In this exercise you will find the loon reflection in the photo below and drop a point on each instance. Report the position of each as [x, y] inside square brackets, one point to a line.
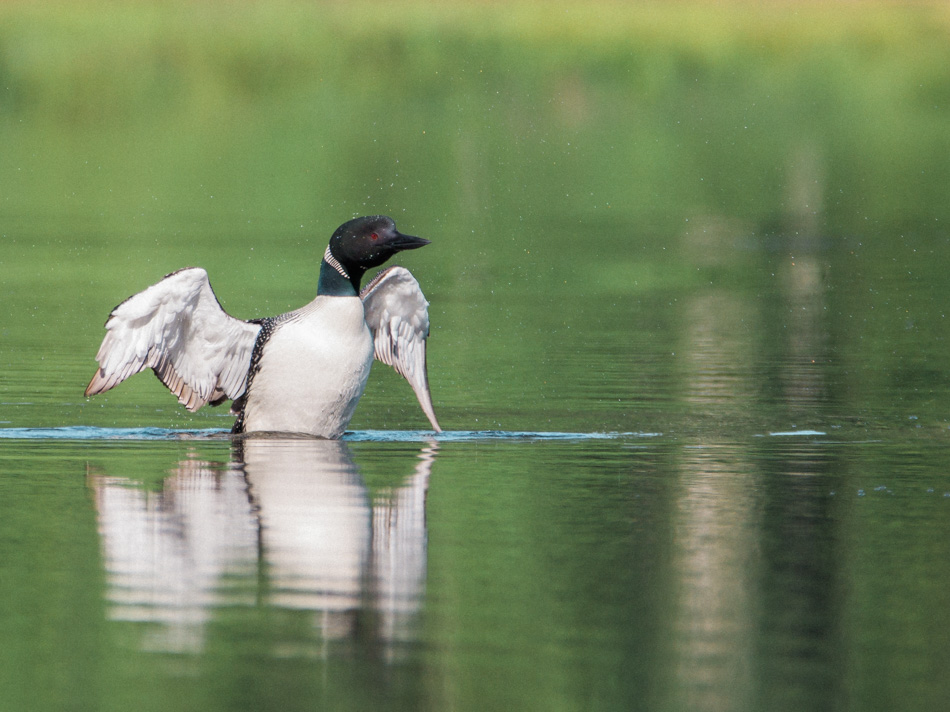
[288, 523]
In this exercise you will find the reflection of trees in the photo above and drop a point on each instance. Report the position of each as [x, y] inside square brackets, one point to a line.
[289, 523]
[714, 622]
[731, 498]
[715, 513]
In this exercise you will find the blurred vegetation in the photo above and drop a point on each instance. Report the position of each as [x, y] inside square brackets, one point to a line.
[606, 158]
[648, 106]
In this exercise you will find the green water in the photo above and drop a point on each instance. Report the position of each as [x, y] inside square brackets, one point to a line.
[710, 246]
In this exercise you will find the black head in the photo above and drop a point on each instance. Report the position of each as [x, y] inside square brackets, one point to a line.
[368, 242]
[363, 243]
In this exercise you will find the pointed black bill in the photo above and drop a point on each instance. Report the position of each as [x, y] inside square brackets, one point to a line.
[408, 242]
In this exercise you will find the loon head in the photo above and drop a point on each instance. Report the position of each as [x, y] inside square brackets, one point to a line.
[361, 244]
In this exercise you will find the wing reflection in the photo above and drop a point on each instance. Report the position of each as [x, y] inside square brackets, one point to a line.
[288, 523]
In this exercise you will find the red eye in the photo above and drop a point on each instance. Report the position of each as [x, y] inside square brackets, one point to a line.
[374, 236]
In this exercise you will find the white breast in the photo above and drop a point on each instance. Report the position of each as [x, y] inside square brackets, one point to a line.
[313, 370]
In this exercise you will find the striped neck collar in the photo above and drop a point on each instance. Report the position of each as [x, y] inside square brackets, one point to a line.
[335, 264]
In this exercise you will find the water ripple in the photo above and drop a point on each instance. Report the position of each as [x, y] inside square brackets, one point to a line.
[83, 432]
[468, 435]
[86, 432]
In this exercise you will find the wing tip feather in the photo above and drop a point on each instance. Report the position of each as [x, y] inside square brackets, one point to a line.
[98, 384]
[425, 400]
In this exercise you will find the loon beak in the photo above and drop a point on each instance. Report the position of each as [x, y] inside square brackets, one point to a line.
[407, 242]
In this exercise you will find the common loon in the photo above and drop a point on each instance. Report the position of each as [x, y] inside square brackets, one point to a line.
[301, 372]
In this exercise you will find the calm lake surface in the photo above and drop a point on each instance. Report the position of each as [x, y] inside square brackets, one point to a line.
[689, 346]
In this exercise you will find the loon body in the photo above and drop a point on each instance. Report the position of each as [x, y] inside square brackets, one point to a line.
[300, 372]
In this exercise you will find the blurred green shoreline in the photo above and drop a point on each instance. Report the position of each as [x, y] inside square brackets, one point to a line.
[859, 92]
[69, 59]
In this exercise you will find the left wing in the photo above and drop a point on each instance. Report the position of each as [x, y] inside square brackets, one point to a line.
[397, 313]
[177, 328]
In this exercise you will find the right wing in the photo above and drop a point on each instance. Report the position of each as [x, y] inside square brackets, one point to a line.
[178, 329]
[398, 315]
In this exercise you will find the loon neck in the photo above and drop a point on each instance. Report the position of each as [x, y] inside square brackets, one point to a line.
[335, 281]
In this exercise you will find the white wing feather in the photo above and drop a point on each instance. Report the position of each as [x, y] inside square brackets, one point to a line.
[397, 313]
[178, 328]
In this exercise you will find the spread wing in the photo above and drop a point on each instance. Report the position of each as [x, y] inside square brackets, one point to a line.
[397, 314]
[178, 329]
